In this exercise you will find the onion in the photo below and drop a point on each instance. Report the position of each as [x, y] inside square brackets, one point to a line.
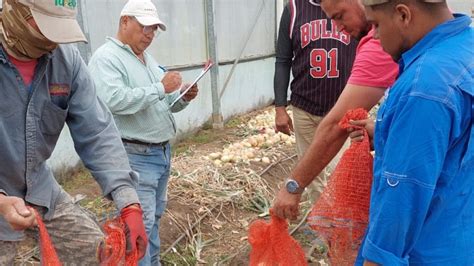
[214, 155]
[226, 158]
[284, 137]
[249, 155]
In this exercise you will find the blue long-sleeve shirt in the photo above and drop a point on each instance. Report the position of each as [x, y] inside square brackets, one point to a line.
[422, 201]
[31, 120]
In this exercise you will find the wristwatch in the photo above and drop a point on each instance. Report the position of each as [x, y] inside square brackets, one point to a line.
[293, 187]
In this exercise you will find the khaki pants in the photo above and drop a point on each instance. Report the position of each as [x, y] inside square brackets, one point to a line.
[305, 125]
[74, 233]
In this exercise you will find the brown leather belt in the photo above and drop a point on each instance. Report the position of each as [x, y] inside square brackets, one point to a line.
[133, 141]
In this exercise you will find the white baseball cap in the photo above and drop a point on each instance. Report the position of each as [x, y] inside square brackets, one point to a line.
[144, 11]
[56, 19]
[379, 2]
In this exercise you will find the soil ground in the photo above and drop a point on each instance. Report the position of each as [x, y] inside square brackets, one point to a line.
[214, 233]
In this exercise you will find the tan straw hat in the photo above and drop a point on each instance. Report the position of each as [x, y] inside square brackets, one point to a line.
[56, 19]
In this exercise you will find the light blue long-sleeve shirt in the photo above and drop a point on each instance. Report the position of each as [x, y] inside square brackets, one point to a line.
[134, 93]
[422, 201]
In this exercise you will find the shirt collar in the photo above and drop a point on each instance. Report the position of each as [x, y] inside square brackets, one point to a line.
[4, 56]
[439, 33]
[121, 44]
[117, 42]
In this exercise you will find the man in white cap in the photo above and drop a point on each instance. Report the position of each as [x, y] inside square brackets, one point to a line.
[140, 93]
[43, 86]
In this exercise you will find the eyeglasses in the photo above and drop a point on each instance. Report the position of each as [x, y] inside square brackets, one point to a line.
[148, 29]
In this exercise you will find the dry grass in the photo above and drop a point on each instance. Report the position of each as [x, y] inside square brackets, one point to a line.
[198, 180]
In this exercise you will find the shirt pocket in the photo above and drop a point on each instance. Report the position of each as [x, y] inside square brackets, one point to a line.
[8, 106]
[52, 119]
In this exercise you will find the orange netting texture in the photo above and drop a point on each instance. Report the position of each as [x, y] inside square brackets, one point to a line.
[341, 213]
[48, 253]
[112, 252]
[272, 244]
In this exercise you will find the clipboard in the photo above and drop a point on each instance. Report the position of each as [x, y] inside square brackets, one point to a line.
[209, 64]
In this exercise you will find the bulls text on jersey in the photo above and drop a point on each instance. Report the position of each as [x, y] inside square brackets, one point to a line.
[318, 29]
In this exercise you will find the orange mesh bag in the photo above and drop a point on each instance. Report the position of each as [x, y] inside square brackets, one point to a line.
[341, 213]
[112, 252]
[48, 253]
[272, 244]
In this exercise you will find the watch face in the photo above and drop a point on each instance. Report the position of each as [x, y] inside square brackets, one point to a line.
[292, 186]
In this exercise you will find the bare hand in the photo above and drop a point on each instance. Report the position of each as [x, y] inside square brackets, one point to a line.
[172, 81]
[286, 205]
[283, 122]
[357, 135]
[15, 212]
[192, 93]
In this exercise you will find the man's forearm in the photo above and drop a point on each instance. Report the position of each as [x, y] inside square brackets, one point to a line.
[328, 140]
[281, 80]
[124, 196]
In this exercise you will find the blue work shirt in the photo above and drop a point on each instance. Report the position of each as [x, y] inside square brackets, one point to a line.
[422, 201]
[62, 91]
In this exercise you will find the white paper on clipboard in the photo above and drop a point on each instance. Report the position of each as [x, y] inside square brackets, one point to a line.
[208, 66]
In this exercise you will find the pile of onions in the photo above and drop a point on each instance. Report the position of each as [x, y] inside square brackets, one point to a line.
[253, 148]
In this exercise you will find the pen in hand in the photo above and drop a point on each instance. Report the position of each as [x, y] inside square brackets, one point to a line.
[163, 68]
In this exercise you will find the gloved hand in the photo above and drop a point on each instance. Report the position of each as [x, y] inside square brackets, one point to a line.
[134, 230]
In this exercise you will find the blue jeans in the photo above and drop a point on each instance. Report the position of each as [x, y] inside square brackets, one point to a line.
[153, 165]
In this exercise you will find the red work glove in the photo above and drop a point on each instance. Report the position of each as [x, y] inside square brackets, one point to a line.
[134, 230]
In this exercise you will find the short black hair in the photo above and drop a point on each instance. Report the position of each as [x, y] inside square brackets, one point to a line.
[422, 3]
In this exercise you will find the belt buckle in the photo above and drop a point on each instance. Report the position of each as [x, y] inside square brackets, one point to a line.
[162, 143]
